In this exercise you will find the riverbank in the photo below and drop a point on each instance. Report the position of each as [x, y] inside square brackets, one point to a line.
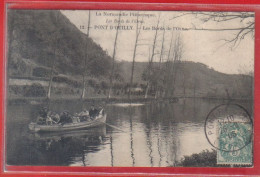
[135, 99]
[41, 100]
[205, 158]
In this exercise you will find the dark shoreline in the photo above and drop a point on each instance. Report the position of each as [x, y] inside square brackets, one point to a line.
[39, 100]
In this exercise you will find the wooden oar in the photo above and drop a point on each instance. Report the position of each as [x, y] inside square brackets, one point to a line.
[112, 126]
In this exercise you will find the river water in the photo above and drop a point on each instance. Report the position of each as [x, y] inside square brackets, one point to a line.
[147, 135]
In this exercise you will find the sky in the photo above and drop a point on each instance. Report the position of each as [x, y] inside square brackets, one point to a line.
[207, 47]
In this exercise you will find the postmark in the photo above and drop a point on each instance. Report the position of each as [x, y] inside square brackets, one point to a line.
[229, 129]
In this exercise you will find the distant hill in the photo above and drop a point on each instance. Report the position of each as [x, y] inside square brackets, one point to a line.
[197, 78]
[126, 69]
[208, 82]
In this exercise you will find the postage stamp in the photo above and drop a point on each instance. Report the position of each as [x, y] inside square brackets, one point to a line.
[234, 143]
[229, 129]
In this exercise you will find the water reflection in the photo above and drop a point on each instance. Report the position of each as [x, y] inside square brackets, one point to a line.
[154, 134]
[58, 148]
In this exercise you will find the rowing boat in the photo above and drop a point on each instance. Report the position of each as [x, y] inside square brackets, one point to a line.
[88, 133]
[99, 120]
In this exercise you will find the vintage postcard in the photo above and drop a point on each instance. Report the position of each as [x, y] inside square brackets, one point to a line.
[129, 88]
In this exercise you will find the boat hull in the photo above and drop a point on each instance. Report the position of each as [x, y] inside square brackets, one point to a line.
[100, 120]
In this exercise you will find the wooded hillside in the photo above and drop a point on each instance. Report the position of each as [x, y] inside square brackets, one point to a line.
[39, 40]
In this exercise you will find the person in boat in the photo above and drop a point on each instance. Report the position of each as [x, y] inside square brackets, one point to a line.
[84, 115]
[75, 118]
[41, 119]
[101, 110]
[55, 118]
[43, 112]
[49, 120]
[65, 117]
[52, 118]
[93, 112]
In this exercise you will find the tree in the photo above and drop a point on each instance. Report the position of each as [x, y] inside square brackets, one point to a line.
[229, 17]
[184, 79]
[168, 68]
[113, 57]
[150, 64]
[137, 34]
[159, 72]
[54, 37]
[247, 18]
[173, 65]
[85, 59]
[177, 55]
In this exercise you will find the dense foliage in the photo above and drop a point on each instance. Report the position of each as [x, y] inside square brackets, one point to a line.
[46, 38]
[203, 159]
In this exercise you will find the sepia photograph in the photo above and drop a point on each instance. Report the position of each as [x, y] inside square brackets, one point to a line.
[125, 88]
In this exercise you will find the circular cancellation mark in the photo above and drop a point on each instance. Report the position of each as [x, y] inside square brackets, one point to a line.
[229, 127]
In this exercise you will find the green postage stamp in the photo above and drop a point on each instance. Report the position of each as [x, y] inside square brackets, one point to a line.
[235, 145]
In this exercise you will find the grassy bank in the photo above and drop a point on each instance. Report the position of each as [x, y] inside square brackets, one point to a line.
[118, 99]
[205, 158]
[32, 100]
